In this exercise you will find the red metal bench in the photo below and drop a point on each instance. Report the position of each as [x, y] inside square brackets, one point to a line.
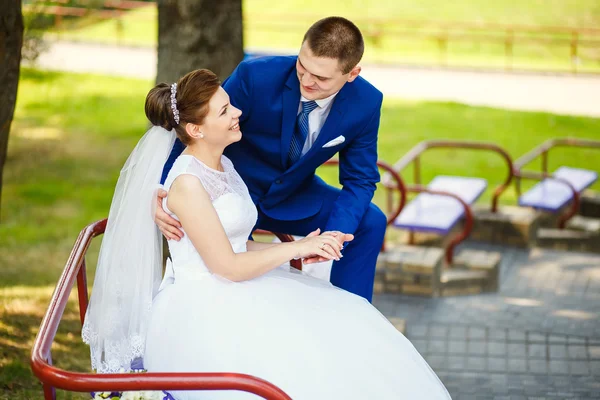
[56, 378]
[555, 191]
[446, 199]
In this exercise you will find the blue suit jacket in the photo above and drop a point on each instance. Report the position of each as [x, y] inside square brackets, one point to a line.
[267, 91]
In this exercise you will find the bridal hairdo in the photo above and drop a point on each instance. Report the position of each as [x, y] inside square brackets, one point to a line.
[171, 106]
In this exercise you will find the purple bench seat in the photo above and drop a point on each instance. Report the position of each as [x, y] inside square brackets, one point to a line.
[437, 213]
[552, 195]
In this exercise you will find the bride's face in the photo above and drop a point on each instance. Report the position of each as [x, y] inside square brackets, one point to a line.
[221, 125]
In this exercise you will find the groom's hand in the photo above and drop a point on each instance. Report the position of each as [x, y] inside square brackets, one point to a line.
[340, 236]
[168, 225]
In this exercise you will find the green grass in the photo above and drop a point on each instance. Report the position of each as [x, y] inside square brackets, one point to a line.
[536, 12]
[266, 28]
[137, 28]
[70, 137]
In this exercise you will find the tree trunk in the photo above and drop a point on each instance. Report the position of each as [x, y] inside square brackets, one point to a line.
[196, 34]
[11, 40]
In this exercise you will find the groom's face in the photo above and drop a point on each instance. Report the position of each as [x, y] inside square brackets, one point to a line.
[320, 77]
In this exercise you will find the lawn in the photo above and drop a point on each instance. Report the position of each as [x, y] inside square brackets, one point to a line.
[71, 135]
[281, 25]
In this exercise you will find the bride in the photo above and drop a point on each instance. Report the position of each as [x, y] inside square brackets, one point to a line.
[225, 304]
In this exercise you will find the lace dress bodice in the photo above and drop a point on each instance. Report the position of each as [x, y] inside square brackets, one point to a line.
[232, 202]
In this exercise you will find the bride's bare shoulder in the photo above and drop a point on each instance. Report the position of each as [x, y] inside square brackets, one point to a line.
[187, 187]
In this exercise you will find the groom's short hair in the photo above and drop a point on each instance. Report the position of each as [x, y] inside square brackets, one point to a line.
[336, 37]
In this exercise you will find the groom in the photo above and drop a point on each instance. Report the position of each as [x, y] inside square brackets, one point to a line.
[298, 112]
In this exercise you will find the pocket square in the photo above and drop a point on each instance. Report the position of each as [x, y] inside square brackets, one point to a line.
[335, 142]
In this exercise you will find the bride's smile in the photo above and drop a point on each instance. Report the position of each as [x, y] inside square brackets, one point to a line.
[221, 125]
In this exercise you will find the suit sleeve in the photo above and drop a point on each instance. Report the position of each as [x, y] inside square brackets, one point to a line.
[178, 147]
[358, 176]
[239, 88]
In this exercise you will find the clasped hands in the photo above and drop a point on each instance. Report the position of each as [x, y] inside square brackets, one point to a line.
[329, 245]
[314, 248]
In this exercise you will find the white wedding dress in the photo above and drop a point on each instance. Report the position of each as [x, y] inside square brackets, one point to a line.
[311, 339]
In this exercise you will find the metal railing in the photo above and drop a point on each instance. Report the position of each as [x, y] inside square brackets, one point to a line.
[53, 377]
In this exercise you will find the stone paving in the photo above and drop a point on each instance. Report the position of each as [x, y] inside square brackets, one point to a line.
[537, 338]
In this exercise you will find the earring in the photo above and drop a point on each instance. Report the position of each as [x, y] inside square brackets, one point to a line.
[201, 136]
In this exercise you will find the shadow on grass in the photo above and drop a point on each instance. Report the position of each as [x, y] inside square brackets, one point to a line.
[21, 313]
[36, 75]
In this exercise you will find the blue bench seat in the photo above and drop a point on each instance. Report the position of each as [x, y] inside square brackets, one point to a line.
[437, 213]
[552, 195]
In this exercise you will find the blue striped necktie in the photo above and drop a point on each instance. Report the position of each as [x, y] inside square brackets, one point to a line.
[300, 132]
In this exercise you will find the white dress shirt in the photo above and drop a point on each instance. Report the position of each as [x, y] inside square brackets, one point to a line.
[316, 119]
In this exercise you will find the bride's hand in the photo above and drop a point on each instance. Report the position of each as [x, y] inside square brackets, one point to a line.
[340, 236]
[323, 246]
[168, 225]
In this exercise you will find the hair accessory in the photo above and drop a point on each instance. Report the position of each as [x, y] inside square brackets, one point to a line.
[174, 103]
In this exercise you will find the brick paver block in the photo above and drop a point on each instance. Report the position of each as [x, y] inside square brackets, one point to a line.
[590, 204]
[399, 324]
[584, 224]
[568, 240]
[511, 225]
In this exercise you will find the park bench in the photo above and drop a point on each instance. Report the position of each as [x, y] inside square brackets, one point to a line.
[438, 208]
[439, 213]
[441, 204]
[559, 189]
[555, 192]
[570, 213]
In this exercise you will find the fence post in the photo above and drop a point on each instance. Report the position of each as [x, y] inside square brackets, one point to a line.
[574, 58]
[417, 170]
[119, 29]
[545, 162]
[443, 45]
[508, 49]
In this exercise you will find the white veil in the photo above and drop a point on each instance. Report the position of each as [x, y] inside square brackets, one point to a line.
[130, 263]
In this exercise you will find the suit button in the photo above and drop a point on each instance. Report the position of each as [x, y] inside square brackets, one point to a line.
[278, 181]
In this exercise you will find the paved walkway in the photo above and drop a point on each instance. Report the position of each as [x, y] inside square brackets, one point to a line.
[561, 94]
[537, 338]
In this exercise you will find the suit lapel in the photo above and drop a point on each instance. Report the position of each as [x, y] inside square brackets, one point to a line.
[329, 130]
[291, 102]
